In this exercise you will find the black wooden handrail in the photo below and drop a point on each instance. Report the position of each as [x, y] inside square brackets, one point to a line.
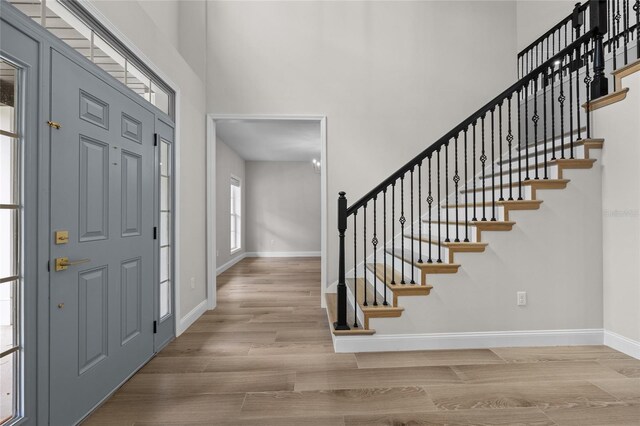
[521, 84]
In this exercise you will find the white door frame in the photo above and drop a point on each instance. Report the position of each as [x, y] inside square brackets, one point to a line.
[211, 196]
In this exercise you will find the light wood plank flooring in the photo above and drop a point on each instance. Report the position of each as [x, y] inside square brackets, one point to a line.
[264, 357]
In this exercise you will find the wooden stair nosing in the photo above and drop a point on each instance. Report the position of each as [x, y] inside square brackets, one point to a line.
[566, 163]
[331, 299]
[370, 310]
[496, 224]
[456, 246]
[540, 183]
[507, 204]
[397, 287]
[425, 267]
[566, 147]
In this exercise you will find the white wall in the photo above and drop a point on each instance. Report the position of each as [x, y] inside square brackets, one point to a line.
[228, 163]
[283, 207]
[155, 45]
[164, 14]
[388, 81]
[192, 37]
[535, 17]
[619, 125]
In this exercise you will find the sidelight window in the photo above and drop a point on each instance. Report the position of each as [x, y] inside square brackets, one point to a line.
[10, 245]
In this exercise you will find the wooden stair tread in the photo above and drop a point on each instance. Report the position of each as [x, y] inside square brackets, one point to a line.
[452, 245]
[567, 163]
[559, 147]
[397, 288]
[496, 224]
[430, 268]
[331, 299]
[373, 311]
[510, 204]
[538, 183]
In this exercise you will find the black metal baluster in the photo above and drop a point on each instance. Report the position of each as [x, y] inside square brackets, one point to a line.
[430, 202]
[636, 8]
[561, 99]
[446, 191]
[483, 160]
[625, 31]
[535, 120]
[439, 208]
[544, 121]
[412, 236]
[570, 104]
[466, 191]
[519, 146]
[456, 179]
[510, 141]
[493, 171]
[577, 71]
[355, 269]
[402, 222]
[474, 172]
[587, 82]
[420, 211]
[616, 27]
[364, 254]
[393, 231]
[553, 112]
[526, 130]
[609, 23]
[500, 149]
[374, 242]
[384, 246]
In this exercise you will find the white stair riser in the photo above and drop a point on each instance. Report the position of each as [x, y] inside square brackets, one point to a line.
[488, 194]
[381, 287]
[478, 212]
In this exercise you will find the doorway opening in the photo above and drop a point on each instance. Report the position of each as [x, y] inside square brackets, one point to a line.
[266, 189]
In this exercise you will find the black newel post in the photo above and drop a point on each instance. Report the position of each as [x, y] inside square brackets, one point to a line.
[341, 324]
[600, 84]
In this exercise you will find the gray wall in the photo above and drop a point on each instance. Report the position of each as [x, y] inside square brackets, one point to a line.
[535, 17]
[388, 81]
[228, 163]
[283, 200]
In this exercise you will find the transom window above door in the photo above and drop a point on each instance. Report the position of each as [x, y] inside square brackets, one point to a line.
[70, 22]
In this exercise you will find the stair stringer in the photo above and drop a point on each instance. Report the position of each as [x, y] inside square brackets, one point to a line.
[554, 254]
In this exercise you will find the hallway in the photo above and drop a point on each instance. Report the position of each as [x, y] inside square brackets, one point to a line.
[264, 356]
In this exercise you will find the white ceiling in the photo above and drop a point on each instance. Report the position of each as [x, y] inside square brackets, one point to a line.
[271, 139]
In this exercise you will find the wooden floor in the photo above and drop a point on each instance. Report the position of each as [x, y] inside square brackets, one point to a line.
[264, 357]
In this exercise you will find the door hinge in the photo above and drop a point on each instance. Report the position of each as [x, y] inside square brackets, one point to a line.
[54, 124]
[155, 139]
[155, 327]
[155, 232]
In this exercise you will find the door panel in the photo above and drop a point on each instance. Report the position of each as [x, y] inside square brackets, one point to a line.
[102, 193]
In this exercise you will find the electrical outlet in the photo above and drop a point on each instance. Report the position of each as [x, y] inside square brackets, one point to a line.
[217, 253]
[193, 283]
[522, 298]
[273, 243]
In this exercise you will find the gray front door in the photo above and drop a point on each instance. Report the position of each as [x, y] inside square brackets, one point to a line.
[102, 205]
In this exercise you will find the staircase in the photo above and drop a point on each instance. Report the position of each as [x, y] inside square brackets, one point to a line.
[419, 225]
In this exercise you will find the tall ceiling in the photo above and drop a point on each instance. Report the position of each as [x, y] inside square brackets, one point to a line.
[271, 139]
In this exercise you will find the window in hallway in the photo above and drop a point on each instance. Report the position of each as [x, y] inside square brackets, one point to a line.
[236, 215]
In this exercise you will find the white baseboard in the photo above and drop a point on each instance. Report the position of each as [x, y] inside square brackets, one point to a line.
[191, 317]
[229, 264]
[622, 344]
[283, 254]
[473, 340]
